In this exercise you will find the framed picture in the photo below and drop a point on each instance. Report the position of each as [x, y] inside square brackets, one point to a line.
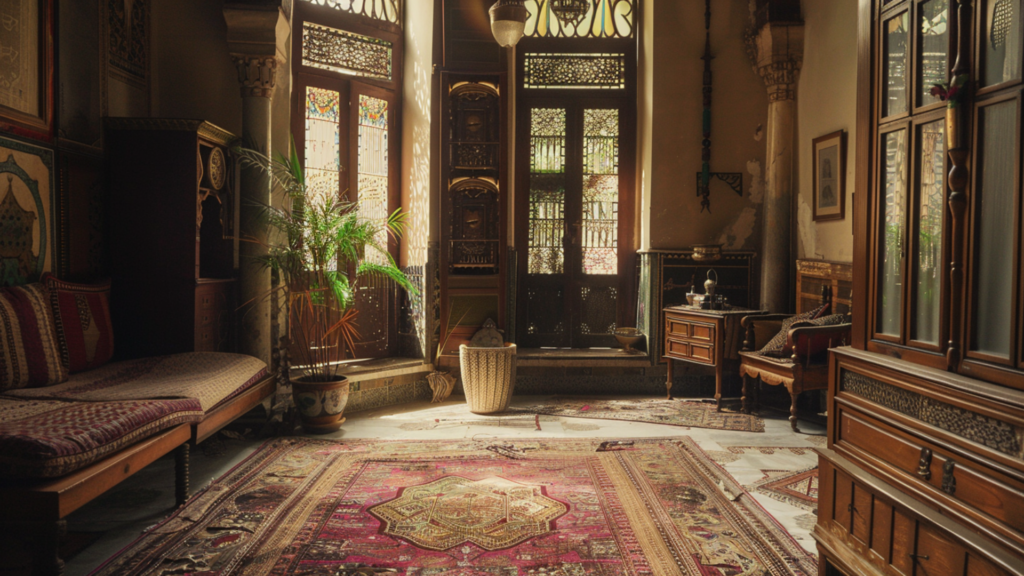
[26, 68]
[28, 213]
[830, 177]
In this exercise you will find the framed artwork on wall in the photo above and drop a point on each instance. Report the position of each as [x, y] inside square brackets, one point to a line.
[26, 67]
[29, 210]
[830, 177]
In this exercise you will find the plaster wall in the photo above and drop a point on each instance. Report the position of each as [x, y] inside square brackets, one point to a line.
[739, 118]
[826, 102]
[416, 126]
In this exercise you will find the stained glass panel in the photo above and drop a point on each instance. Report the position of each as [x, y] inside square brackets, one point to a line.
[323, 151]
[578, 71]
[600, 191]
[934, 26]
[894, 222]
[344, 52]
[930, 211]
[386, 10]
[547, 191]
[373, 169]
[600, 19]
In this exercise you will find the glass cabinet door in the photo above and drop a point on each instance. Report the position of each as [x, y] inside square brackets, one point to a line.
[929, 214]
[893, 229]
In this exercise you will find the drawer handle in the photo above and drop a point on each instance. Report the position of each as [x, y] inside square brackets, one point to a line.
[918, 556]
[924, 465]
[851, 508]
[948, 480]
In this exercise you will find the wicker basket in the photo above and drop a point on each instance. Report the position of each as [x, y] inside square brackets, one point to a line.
[488, 377]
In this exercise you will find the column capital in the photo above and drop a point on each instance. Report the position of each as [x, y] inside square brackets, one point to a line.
[257, 40]
[776, 51]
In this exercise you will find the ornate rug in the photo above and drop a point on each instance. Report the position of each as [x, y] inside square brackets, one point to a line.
[797, 488]
[470, 508]
[650, 410]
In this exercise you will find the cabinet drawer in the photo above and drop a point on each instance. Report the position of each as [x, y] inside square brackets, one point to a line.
[702, 332]
[973, 484]
[678, 328]
[702, 353]
[678, 349]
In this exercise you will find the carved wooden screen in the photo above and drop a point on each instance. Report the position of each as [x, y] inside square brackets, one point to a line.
[344, 130]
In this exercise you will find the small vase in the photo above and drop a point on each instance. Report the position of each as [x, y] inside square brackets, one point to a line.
[321, 405]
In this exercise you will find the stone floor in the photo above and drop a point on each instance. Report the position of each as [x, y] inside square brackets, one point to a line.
[145, 499]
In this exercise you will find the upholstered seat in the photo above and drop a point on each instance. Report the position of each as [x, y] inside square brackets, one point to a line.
[211, 378]
[50, 438]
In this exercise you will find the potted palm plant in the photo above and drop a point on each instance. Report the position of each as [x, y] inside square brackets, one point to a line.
[321, 249]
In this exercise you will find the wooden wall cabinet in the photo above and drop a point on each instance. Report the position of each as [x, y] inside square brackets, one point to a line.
[172, 220]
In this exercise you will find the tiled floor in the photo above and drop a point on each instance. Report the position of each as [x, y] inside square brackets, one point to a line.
[145, 499]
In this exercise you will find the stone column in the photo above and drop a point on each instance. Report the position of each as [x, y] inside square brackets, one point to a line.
[256, 41]
[777, 50]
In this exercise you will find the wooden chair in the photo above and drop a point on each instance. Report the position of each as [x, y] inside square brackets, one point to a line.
[806, 369]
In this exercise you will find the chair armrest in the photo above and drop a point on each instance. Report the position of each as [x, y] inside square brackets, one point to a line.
[806, 339]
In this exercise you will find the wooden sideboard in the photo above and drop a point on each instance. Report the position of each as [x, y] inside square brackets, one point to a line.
[909, 446]
[813, 275]
[711, 338]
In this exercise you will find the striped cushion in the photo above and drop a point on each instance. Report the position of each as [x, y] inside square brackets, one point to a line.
[82, 314]
[778, 347]
[29, 348]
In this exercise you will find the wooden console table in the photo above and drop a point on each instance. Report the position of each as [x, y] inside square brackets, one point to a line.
[703, 337]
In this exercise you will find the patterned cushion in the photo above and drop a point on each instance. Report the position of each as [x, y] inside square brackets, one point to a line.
[82, 315]
[777, 347]
[49, 438]
[212, 378]
[29, 348]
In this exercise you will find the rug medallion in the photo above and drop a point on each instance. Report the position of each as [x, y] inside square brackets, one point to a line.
[470, 508]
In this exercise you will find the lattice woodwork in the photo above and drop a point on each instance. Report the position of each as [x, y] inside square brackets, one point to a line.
[546, 252]
[475, 130]
[475, 222]
[575, 71]
[598, 310]
[601, 19]
[345, 52]
[600, 230]
[385, 10]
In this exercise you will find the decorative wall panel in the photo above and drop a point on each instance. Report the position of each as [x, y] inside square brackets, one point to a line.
[28, 211]
[345, 52]
[575, 71]
[386, 10]
[589, 19]
[475, 221]
[475, 129]
[128, 42]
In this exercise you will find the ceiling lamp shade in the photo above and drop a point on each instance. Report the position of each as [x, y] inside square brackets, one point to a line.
[508, 22]
[570, 11]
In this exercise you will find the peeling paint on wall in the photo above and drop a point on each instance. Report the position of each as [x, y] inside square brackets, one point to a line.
[807, 232]
[736, 236]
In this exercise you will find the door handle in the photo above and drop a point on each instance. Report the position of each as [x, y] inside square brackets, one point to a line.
[576, 232]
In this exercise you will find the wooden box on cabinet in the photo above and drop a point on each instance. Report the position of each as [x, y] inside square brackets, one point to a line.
[172, 219]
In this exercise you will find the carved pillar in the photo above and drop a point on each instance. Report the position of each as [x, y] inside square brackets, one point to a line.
[777, 50]
[256, 41]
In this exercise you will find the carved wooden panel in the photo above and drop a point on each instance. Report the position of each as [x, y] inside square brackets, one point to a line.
[475, 130]
[475, 221]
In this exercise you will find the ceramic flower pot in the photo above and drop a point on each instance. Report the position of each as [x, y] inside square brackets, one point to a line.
[321, 405]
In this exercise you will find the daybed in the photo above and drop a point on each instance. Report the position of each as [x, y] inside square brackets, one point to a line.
[66, 439]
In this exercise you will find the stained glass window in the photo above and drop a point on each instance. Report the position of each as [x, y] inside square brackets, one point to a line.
[344, 52]
[579, 71]
[373, 169]
[547, 191]
[386, 10]
[323, 151]
[593, 19]
[600, 191]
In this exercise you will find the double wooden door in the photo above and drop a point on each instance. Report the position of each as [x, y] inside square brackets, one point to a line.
[572, 175]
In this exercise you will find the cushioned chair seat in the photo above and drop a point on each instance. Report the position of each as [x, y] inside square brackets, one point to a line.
[50, 438]
[211, 378]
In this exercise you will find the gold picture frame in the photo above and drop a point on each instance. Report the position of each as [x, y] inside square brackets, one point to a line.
[26, 77]
[830, 177]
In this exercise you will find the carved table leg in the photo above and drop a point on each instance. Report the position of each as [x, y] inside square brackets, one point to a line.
[718, 386]
[668, 383]
[47, 561]
[181, 474]
[746, 393]
[792, 411]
